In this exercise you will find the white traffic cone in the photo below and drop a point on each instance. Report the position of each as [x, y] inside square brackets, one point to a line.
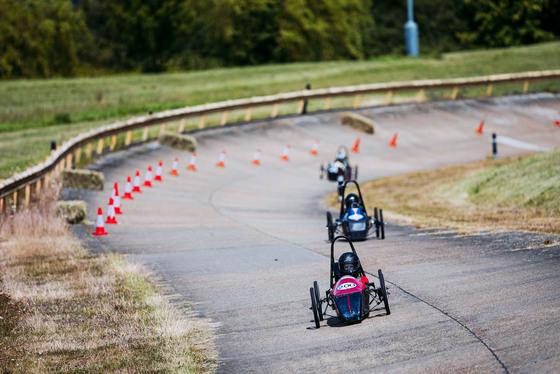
[100, 227]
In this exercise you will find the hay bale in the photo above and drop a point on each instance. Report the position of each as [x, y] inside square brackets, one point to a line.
[72, 211]
[178, 141]
[358, 122]
[83, 179]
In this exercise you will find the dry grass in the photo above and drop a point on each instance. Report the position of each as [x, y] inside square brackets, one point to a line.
[65, 310]
[431, 199]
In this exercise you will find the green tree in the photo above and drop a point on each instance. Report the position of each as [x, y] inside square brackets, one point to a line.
[39, 38]
[499, 23]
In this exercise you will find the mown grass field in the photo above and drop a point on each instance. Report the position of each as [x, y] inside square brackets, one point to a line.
[35, 112]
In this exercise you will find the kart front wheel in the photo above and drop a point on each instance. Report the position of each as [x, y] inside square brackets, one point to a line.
[383, 291]
[314, 308]
[376, 220]
[381, 224]
[330, 226]
[318, 300]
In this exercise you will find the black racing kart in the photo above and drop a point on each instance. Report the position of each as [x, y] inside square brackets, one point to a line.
[353, 298]
[353, 220]
[339, 170]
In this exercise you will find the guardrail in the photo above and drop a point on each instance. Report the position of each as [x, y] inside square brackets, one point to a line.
[25, 187]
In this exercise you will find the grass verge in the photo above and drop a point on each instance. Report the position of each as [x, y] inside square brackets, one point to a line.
[64, 310]
[518, 193]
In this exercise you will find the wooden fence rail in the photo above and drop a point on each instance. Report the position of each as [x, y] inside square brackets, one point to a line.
[19, 188]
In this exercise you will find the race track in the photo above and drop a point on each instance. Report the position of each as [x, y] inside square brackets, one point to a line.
[244, 243]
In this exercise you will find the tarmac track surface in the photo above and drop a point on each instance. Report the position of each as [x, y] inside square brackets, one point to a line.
[245, 243]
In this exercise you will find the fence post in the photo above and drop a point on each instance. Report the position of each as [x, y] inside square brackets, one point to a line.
[328, 103]
[301, 105]
[182, 125]
[15, 205]
[224, 118]
[389, 98]
[78, 154]
[202, 122]
[128, 138]
[249, 114]
[113, 143]
[526, 87]
[421, 96]
[145, 134]
[69, 160]
[100, 146]
[274, 111]
[489, 89]
[357, 100]
[162, 128]
[454, 93]
[27, 195]
[89, 150]
[2, 205]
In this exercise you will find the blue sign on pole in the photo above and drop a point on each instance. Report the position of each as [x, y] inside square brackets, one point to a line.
[411, 33]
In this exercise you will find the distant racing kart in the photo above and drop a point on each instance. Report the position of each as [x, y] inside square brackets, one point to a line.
[353, 219]
[339, 170]
[352, 298]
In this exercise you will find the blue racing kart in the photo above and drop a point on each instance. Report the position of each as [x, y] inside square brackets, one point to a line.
[353, 219]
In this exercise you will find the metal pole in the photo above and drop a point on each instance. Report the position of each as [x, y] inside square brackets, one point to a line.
[494, 147]
[411, 33]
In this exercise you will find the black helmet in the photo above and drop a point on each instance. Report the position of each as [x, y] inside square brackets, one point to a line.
[352, 201]
[349, 264]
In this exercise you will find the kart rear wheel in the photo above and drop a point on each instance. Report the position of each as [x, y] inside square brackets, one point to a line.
[381, 224]
[318, 300]
[376, 220]
[383, 290]
[314, 308]
[330, 226]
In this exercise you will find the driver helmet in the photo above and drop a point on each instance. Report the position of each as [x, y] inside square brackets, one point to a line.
[349, 264]
[341, 155]
[352, 201]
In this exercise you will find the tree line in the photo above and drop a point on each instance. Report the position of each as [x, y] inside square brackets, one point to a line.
[52, 38]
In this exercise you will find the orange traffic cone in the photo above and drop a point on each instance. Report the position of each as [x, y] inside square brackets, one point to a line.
[127, 190]
[557, 121]
[174, 167]
[315, 148]
[479, 130]
[222, 160]
[356, 147]
[111, 213]
[257, 157]
[116, 199]
[192, 163]
[158, 172]
[100, 227]
[136, 187]
[393, 142]
[286, 153]
[148, 179]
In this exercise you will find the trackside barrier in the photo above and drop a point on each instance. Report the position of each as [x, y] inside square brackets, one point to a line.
[25, 187]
